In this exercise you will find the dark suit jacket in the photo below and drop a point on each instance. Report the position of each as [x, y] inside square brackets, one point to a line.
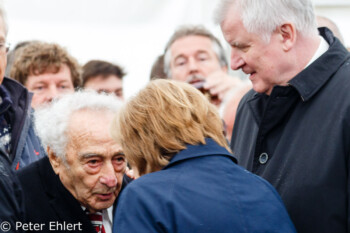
[11, 196]
[48, 201]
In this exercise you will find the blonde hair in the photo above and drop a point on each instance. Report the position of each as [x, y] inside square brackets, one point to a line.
[161, 120]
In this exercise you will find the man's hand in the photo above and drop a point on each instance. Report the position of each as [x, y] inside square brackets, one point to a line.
[130, 173]
[219, 84]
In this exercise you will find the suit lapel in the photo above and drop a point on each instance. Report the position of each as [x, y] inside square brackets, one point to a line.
[67, 208]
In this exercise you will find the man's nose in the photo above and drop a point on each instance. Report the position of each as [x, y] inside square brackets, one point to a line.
[192, 65]
[236, 60]
[108, 176]
[52, 93]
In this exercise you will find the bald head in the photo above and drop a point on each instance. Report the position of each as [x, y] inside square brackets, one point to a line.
[326, 22]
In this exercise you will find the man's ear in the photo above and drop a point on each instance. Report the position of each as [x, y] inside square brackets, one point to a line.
[54, 160]
[289, 34]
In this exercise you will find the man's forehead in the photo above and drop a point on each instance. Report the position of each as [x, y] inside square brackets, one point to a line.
[87, 122]
[102, 80]
[51, 73]
[2, 30]
[89, 132]
[232, 20]
[191, 44]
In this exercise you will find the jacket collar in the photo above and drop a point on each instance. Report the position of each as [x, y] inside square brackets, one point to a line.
[18, 94]
[194, 151]
[5, 101]
[17, 114]
[309, 81]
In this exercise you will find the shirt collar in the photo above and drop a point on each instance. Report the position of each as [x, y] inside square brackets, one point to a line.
[321, 68]
[107, 218]
[322, 48]
[108, 213]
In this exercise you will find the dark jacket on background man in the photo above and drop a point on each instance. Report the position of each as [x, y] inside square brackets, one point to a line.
[25, 145]
[298, 139]
[201, 190]
[11, 196]
[47, 201]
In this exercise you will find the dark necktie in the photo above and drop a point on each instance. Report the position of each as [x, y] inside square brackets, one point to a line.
[96, 221]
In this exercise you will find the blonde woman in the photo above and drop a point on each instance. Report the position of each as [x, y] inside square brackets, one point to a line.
[189, 181]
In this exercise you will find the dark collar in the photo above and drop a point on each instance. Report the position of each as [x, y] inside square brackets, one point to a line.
[61, 200]
[5, 101]
[17, 113]
[311, 79]
[195, 151]
[18, 93]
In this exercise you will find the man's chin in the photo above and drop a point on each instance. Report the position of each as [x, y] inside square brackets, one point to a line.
[261, 89]
[101, 205]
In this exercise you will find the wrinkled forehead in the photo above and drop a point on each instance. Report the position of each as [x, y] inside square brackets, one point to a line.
[191, 44]
[104, 81]
[2, 29]
[89, 127]
[90, 119]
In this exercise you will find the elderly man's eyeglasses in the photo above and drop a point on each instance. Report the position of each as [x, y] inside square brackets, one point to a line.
[4, 47]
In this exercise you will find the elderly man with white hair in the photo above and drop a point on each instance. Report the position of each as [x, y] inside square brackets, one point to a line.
[74, 188]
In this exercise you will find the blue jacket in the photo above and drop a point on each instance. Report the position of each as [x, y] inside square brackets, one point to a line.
[25, 144]
[201, 190]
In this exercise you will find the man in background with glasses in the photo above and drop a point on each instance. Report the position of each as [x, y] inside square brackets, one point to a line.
[17, 135]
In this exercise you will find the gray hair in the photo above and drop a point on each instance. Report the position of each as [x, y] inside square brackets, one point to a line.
[263, 17]
[51, 121]
[193, 30]
[3, 16]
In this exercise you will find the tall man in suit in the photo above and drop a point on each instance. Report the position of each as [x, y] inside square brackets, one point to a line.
[293, 128]
[83, 173]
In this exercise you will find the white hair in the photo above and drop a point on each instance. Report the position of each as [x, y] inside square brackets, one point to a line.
[51, 121]
[3, 16]
[263, 17]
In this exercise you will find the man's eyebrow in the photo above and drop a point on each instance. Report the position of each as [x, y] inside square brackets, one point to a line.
[64, 81]
[88, 155]
[199, 52]
[95, 154]
[119, 153]
[179, 56]
[239, 44]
